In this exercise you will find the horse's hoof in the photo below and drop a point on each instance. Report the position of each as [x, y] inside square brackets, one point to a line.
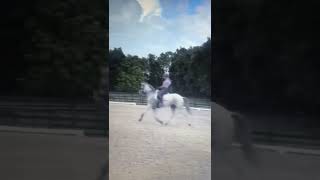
[159, 121]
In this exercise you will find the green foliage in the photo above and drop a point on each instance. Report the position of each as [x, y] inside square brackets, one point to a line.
[130, 76]
[189, 70]
[165, 60]
[115, 58]
[67, 48]
[256, 65]
[155, 71]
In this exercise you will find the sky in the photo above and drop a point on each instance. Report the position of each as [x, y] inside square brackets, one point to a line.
[141, 27]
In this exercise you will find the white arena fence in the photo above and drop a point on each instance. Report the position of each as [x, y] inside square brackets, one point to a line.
[54, 113]
[195, 103]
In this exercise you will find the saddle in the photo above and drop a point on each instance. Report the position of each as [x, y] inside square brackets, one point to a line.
[162, 94]
[159, 102]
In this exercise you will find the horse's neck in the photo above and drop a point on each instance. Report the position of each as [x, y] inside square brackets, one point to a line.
[151, 94]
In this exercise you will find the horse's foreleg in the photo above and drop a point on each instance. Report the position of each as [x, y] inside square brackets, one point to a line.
[155, 116]
[142, 115]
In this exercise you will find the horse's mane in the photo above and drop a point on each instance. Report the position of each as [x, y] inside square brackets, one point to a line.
[153, 89]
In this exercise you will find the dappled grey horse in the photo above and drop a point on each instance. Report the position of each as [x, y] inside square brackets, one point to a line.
[172, 100]
[227, 127]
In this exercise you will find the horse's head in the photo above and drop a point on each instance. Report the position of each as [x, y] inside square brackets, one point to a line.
[146, 88]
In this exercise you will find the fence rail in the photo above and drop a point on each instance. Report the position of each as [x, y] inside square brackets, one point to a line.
[287, 138]
[141, 99]
[86, 116]
[59, 115]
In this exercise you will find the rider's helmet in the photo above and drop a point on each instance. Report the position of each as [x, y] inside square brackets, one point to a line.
[165, 75]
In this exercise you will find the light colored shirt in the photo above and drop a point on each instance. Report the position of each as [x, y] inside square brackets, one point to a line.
[166, 83]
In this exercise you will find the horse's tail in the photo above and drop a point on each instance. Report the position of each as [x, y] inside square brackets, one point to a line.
[245, 138]
[186, 104]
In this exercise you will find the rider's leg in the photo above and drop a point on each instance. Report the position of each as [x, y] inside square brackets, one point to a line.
[160, 94]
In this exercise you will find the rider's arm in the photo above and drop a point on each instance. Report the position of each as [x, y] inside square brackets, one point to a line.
[160, 87]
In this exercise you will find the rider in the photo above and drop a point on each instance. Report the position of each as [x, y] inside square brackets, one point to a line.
[164, 88]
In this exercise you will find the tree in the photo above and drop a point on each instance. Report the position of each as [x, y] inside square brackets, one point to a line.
[165, 60]
[156, 72]
[66, 50]
[130, 76]
[116, 56]
[189, 69]
[268, 68]
[200, 69]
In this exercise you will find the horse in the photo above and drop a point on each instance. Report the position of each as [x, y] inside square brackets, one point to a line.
[172, 100]
[228, 126]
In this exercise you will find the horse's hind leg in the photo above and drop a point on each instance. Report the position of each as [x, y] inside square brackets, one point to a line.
[173, 110]
[186, 115]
